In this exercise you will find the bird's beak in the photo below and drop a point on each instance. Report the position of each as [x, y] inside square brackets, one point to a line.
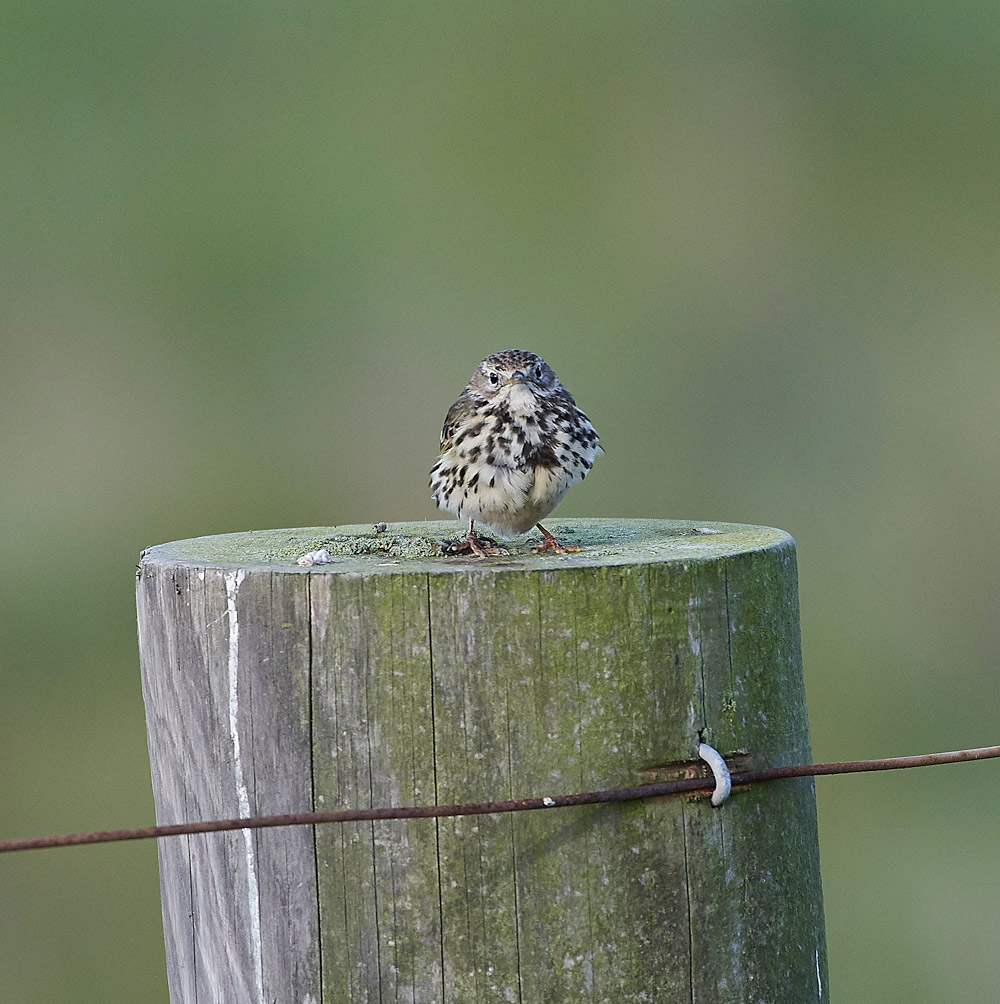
[515, 377]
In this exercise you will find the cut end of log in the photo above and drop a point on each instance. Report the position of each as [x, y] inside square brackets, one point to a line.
[416, 547]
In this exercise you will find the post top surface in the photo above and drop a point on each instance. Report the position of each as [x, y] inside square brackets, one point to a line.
[414, 547]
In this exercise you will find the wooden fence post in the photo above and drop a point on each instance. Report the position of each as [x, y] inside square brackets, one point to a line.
[392, 676]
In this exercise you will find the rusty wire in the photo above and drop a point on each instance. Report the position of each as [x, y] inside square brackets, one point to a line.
[656, 789]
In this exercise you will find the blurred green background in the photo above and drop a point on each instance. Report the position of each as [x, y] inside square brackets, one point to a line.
[251, 254]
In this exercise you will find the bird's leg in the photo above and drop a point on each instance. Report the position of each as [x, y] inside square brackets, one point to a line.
[476, 546]
[549, 543]
[472, 543]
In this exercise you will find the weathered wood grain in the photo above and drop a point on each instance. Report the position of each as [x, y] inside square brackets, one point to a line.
[393, 677]
[227, 703]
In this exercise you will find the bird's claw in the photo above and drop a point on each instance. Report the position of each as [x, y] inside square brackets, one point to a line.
[471, 545]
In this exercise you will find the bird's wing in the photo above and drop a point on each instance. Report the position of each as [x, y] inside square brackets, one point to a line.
[458, 413]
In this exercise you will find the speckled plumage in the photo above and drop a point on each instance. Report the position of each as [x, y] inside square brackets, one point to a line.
[512, 446]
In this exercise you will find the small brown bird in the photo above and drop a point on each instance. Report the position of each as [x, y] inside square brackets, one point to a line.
[512, 446]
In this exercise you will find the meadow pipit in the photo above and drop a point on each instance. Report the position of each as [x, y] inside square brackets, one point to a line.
[512, 446]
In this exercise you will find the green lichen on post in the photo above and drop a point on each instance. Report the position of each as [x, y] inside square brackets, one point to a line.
[415, 547]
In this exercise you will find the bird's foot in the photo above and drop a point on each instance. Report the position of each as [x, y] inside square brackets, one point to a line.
[549, 543]
[472, 544]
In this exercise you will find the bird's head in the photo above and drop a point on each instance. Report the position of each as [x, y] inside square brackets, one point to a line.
[504, 372]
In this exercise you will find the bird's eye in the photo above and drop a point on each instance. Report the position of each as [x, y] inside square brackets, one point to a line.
[494, 379]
